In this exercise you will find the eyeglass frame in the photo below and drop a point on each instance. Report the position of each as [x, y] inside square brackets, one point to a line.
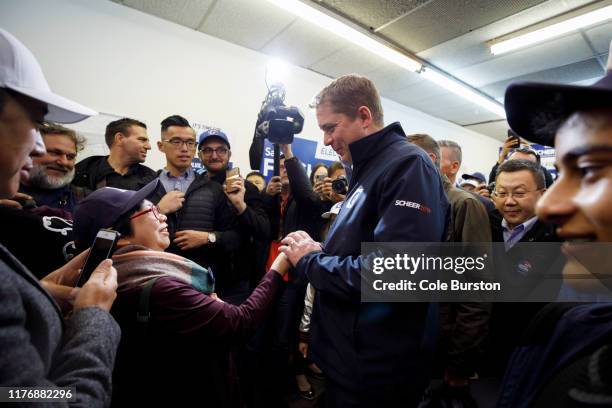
[217, 150]
[154, 209]
[513, 195]
[178, 143]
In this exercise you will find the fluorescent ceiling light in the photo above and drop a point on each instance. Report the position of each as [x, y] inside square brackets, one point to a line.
[554, 30]
[348, 33]
[463, 91]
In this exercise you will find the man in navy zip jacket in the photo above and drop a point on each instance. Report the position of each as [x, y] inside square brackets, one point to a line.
[372, 353]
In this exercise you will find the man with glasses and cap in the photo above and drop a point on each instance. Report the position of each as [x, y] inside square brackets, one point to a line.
[201, 222]
[40, 348]
[248, 209]
[565, 358]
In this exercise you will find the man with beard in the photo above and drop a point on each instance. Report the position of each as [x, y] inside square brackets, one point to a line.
[52, 173]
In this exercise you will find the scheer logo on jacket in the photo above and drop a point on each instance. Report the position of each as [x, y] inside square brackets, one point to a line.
[412, 204]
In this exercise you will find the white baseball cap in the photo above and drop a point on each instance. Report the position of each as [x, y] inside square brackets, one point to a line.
[21, 72]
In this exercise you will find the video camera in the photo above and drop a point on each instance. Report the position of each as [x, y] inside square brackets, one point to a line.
[277, 122]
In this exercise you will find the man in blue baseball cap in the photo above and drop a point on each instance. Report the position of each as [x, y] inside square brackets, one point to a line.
[248, 208]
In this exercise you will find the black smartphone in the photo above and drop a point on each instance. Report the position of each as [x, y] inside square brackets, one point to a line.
[514, 136]
[103, 247]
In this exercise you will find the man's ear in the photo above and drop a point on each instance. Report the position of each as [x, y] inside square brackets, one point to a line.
[160, 146]
[119, 137]
[229, 154]
[455, 166]
[365, 115]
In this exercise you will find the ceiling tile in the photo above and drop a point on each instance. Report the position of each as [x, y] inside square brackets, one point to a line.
[352, 59]
[567, 74]
[443, 20]
[416, 93]
[562, 51]
[497, 130]
[303, 44]
[389, 78]
[467, 114]
[245, 22]
[373, 14]
[471, 48]
[184, 12]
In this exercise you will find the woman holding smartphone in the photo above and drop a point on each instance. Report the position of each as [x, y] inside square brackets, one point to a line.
[176, 334]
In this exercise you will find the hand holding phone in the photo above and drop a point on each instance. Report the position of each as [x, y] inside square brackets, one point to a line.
[231, 175]
[103, 247]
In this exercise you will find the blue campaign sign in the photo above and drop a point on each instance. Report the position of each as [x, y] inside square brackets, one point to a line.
[547, 157]
[309, 152]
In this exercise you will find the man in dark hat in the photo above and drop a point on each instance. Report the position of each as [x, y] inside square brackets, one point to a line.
[568, 346]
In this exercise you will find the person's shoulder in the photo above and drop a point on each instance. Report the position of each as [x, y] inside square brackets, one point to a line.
[542, 232]
[89, 161]
[147, 171]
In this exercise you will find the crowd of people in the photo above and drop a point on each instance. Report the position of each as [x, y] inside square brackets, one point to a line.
[234, 291]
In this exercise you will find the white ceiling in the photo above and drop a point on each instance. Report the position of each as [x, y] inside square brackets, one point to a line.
[448, 34]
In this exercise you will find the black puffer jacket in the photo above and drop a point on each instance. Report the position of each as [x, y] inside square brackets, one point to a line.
[206, 209]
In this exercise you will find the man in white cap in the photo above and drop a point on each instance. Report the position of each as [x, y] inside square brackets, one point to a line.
[40, 348]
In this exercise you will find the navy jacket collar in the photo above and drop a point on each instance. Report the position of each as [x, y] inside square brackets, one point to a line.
[371, 145]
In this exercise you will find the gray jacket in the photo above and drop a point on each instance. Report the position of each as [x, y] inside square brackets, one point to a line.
[39, 349]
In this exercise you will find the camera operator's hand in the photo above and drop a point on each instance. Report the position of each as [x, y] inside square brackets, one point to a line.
[101, 288]
[171, 202]
[329, 193]
[234, 190]
[483, 191]
[318, 189]
[275, 186]
[286, 151]
[297, 244]
[509, 144]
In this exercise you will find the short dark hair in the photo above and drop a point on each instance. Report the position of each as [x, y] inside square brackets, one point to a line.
[120, 126]
[174, 120]
[349, 92]
[335, 166]
[427, 143]
[255, 173]
[511, 166]
[50, 128]
[526, 150]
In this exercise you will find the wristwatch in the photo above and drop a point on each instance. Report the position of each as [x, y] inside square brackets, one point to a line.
[212, 238]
